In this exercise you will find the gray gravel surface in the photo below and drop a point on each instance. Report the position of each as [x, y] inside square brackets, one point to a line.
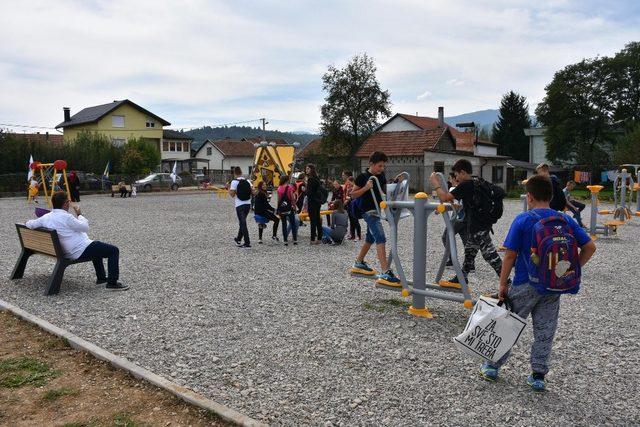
[284, 335]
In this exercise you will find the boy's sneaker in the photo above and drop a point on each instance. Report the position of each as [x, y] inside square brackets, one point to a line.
[537, 384]
[245, 246]
[488, 372]
[238, 241]
[259, 241]
[295, 242]
[286, 243]
[361, 267]
[275, 238]
[388, 279]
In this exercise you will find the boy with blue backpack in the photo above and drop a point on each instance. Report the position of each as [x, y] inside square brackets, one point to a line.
[548, 249]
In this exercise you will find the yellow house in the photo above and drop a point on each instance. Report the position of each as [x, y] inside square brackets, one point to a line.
[118, 120]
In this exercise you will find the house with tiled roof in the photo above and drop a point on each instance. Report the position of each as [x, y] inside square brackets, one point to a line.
[118, 120]
[421, 145]
[221, 156]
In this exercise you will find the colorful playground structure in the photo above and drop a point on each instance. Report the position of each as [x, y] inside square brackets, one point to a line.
[393, 209]
[47, 176]
[272, 161]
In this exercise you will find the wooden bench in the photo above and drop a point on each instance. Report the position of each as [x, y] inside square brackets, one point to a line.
[42, 241]
[116, 189]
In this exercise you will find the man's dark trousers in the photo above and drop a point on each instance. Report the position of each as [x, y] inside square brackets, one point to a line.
[243, 232]
[96, 251]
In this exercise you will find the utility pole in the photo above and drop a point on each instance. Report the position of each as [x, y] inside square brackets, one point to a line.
[264, 128]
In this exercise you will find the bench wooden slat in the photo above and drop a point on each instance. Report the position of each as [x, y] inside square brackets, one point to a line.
[39, 241]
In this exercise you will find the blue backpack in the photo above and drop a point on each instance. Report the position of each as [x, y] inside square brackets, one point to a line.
[555, 261]
[355, 208]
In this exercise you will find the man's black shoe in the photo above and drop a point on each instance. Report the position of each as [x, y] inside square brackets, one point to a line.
[101, 281]
[117, 286]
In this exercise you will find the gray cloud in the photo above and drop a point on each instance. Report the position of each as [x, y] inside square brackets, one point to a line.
[204, 62]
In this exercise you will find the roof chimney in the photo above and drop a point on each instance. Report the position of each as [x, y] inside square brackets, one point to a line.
[67, 113]
[441, 117]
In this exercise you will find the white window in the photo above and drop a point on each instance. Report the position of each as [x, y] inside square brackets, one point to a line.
[209, 151]
[178, 146]
[117, 121]
[150, 123]
[118, 142]
[172, 146]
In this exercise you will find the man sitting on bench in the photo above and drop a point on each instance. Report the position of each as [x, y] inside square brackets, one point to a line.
[75, 243]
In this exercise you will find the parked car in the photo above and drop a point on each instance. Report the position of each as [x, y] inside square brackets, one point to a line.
[157, 181]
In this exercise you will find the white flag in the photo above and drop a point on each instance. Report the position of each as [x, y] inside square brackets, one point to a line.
[173, 172]
[30, 173]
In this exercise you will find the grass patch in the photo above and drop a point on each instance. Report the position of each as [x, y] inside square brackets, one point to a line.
[123, 419]
[55, 394]
[396, 302]
[372, 307]
[82, 424]
[18, 372]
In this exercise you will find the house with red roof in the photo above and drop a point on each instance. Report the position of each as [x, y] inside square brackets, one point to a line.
[221, 156]
[421, 145]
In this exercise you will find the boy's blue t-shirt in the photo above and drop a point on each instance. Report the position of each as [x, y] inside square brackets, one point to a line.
[519, 239]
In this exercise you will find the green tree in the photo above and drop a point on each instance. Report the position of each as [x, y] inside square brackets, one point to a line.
[624, 84]
[354, 104]
[132, 162]
[508, 131]
[577, 111]
[628, 148]
[148, 151]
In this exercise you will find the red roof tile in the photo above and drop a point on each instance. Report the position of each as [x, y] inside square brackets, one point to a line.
[235, 148]
[39, 137]
[402, 143]
[464, 140]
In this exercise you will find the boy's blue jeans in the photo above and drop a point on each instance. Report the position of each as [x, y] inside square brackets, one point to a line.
[544, 315]
[375, 232]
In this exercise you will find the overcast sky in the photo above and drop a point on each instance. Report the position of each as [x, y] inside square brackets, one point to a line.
[199, 63]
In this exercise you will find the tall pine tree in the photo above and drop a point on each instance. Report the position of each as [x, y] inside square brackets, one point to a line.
[508, 131]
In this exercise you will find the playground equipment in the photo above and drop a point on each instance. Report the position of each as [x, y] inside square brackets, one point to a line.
[623, 186]
[272, 161]
[622, 183]
[608, 227]
[47, 177]
[397, 206]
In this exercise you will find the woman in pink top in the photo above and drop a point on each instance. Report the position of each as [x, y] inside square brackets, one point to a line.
[286, 208]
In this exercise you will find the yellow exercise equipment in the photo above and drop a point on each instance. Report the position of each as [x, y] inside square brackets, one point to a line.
[272, 161]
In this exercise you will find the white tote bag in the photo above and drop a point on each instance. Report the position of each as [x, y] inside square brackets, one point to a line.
[491, 331]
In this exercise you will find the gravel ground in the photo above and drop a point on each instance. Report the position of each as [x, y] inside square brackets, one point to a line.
[284, 335]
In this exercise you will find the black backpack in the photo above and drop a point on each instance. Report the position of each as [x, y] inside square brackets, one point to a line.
[487, 202]
[323, 194]
[243, 190]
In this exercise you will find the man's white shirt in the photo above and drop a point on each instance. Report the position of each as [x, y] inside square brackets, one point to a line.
[72, 231]
[234, 186]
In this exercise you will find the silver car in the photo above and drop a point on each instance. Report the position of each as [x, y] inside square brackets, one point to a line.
[157, 181]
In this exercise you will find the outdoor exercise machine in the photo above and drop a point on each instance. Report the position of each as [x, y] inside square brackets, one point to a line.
[272, 161]
[394, 208]
[608, 227]
[47, 177]
[623, 186]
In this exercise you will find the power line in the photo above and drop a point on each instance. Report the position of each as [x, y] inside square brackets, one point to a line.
[28, 126]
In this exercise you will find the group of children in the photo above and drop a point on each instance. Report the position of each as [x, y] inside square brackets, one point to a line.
[524, 291]
[305, 195]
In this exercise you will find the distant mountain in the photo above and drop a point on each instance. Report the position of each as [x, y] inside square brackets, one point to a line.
[237, 132]
[483, 118]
